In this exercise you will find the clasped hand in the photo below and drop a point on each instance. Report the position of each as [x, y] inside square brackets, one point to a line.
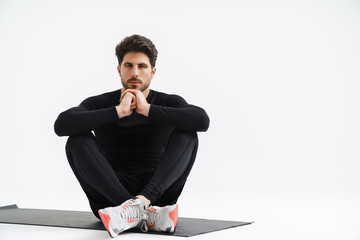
[132, 99]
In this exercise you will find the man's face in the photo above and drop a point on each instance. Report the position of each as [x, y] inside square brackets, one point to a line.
[135, 71]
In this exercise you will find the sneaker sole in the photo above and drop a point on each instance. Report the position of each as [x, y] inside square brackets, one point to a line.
[105, 218]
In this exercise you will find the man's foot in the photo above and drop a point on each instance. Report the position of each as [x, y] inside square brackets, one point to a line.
[128, 215]
[162, 219]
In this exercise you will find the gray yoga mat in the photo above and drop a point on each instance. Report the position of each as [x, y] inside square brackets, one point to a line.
[186, 227]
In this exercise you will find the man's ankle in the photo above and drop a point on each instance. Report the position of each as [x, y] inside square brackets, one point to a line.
[144, 200]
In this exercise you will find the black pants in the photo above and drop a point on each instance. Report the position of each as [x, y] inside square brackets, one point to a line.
[104, 187]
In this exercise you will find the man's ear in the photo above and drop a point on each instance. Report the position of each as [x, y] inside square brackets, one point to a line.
[153, 72]
[118, 69]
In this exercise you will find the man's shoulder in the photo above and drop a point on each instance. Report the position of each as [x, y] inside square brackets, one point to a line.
[103, 99]
[107, 94]
[164, 95]
[163, 98]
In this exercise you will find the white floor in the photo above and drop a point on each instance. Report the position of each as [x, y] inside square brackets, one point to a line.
[276, 217]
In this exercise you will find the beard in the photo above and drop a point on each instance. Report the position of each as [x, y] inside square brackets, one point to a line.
[127, 84]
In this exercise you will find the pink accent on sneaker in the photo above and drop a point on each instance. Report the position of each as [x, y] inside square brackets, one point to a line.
[152, 224]
[105, 218]
[153, 210]
[125, 205]
[174, 215]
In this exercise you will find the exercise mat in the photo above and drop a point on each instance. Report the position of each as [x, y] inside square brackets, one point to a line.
[186, 227]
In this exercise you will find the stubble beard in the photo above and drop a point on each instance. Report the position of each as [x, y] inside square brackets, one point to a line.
[142, 88]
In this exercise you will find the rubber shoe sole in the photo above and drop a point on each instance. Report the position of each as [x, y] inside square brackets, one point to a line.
[105, 218]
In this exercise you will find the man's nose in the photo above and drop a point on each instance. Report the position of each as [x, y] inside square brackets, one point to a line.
[135, 72]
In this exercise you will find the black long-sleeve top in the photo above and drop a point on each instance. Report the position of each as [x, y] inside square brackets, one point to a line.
[134, 143]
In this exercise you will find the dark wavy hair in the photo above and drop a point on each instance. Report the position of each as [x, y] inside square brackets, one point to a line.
[136, 43]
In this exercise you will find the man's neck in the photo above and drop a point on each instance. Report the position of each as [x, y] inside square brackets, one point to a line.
[146, 92]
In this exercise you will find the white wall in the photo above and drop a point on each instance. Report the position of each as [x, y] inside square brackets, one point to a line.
[279, 80]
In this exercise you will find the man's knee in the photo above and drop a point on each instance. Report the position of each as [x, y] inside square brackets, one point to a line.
[190, 137]
[74, 142]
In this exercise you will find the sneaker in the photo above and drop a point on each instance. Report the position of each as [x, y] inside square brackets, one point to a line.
[162, 219]
[128, 215]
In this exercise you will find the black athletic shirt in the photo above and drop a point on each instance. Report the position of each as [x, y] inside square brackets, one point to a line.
[134, 143]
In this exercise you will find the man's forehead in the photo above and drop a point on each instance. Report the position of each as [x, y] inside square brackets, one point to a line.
[136, 58]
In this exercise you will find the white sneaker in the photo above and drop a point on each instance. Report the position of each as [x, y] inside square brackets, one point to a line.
[162, 219]
[128, 215]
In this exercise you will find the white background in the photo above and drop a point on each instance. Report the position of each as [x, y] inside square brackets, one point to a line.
[279, 80]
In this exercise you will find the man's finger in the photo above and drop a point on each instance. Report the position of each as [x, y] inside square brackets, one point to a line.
[124, 94]
[132, 91]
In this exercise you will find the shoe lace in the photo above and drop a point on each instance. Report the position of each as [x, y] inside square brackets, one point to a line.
[143, 226]
[145, 222]
[153, 217]
[134, 211]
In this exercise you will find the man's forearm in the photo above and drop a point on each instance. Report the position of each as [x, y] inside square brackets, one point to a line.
[190, 118]
[77, 120]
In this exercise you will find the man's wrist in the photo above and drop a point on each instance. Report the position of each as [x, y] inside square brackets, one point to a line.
[146, 110]
[120, 112]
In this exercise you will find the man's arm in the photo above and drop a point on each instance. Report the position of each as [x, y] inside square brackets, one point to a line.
[177, 112]
[187, 117]
[84, 118]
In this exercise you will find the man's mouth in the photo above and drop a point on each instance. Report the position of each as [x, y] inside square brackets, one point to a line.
[134, 82]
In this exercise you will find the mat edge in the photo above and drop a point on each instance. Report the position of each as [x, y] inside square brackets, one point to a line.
[12, 206]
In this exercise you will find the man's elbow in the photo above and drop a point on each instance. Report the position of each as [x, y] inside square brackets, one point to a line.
[59, 127]
[58, 130]
[204, 122]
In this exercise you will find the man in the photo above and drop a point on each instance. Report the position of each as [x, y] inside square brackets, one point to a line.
[134, 169]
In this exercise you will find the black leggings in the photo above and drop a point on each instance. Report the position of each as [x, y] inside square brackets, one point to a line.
[104, 187]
